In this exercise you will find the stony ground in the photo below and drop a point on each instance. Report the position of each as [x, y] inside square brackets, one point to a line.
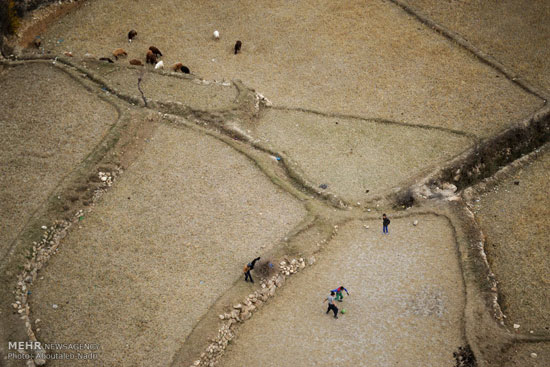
[405, 308]
[163, 249]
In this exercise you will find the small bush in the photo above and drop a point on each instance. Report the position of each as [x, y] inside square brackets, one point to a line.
[405, 198]
[464, 357]
[3, 17]
[9, 20]
[265, 268]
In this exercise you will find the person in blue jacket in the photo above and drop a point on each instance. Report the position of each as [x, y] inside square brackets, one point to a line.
[339, 296]
[385, 224]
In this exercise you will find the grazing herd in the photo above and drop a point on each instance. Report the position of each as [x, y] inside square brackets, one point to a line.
[153, 55]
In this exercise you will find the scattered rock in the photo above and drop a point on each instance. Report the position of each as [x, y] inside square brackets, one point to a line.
[323, 186]
[533, 355]
[415, 223]
[516, 326]
[55, 307]
[449, 187]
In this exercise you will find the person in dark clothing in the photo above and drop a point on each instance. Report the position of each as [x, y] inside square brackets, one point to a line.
[331, 305]
[385, 224]
[247, 269]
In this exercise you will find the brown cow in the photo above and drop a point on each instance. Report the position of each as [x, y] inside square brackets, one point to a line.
[151, 58]
[119, 52]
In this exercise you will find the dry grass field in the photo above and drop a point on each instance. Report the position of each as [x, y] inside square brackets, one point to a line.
[365, 97]
[515, 32]
[357, 159]
[166, 87]
[170, 237]
[48, 125]
[361, 58]
[515, 218]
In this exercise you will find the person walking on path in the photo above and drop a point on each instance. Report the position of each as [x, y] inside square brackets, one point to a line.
[331, 305]
[385, 224]
[247, 269]
[339, 295]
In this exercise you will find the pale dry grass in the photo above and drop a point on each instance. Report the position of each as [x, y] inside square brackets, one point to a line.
[352, 156]
[48, 125]
[515, 32]
[167, 88]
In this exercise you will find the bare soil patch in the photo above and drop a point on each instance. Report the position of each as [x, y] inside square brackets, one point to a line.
[520, 355]
[357, 159]
[364, 58]
[405, 308]
[48, 125]
[515, 218]
[159, 248]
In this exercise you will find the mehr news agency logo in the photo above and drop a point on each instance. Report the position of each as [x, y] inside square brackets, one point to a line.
[52, 351]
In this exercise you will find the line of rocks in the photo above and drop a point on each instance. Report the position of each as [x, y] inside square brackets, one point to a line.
[41, 252]
[244, 310]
